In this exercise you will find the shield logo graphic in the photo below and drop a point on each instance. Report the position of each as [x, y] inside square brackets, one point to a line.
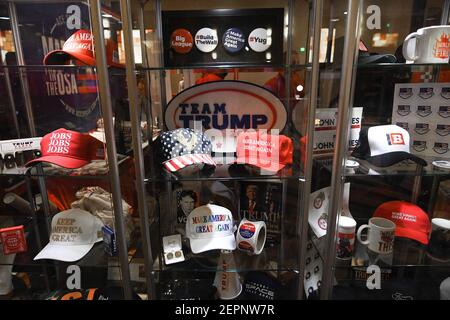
[445, 93]
[444, 111]
[404, 110]
[422, 128]
[419, 146]
[405, 93]
[443, 129]
[403, 125]
[426, 93]
[440, 147]
[423, 111]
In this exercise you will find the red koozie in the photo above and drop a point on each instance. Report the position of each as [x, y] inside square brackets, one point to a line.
[13, 240]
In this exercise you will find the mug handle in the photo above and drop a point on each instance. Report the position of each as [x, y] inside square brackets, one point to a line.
[358, 234]
[405, 51]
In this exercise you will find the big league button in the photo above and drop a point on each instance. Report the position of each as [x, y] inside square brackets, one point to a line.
[181, 41]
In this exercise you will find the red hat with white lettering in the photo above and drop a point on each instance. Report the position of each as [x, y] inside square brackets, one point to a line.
[80, 46]
[69, 149]
[270, 152]
[410, 220]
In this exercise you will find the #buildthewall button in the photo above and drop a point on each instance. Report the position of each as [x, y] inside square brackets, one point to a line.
[206, 39]
[260, 39]
[181, 41]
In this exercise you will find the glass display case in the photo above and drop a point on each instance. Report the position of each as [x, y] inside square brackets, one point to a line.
[388, 218]
[229, 88]
[175, 94]
[261, 150]
[68, 215]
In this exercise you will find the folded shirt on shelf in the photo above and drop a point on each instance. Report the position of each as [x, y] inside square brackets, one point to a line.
[98, 201]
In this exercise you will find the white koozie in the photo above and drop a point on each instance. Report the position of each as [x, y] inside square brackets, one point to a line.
[227, 282]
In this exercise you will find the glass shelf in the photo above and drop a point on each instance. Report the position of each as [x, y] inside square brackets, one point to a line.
[224, 173]
[404, 168]
[401, 65]
[396, 265]
[38, 66]
[95, 258]
[268, 260]
[93, 170]
[357, 273]
[251, 67]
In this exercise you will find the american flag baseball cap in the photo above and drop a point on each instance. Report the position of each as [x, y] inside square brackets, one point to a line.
[183, 147]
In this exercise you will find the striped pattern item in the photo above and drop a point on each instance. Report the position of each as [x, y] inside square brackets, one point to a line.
[182, 147]
[180, 162]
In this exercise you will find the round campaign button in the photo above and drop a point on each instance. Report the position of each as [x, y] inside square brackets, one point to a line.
[260, 39]
[181, 41]
[233, 40]
[206, 39]
[247, 230]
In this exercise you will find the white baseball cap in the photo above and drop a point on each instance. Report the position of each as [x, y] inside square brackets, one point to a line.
[210, 227]
[384, 146]
[74, 233]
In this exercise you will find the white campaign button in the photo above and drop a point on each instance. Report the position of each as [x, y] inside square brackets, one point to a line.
[260, 39]
[206, 39]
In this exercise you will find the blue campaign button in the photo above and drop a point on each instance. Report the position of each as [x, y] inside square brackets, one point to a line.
[233, 40]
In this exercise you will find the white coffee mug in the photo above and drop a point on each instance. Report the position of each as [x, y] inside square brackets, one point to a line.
[428, 45]
[381, 235]
[440, 223]
[346, 237]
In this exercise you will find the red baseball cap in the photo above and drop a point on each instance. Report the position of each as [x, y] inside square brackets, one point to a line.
[69, 149]
[80, 46]
[410, 220]
[267, 151]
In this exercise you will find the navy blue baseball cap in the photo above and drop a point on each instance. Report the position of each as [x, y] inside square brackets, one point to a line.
[260, 285]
